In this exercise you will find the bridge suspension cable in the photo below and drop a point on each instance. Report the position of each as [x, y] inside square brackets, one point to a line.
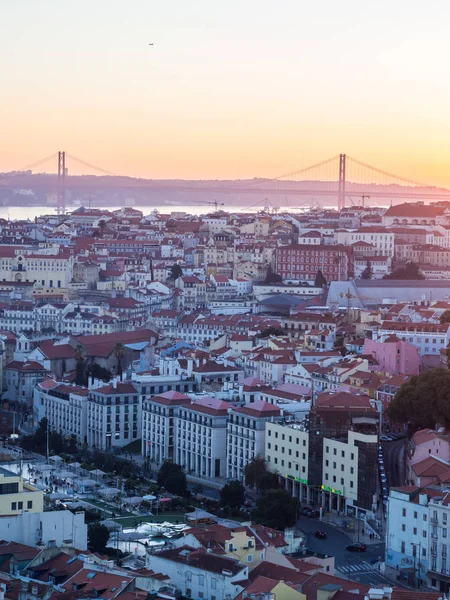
[91, 166]
[305, 169]
[386, 173]
[39, 162]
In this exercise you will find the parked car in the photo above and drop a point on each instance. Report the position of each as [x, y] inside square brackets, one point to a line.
[321, 535]
[356, 547]
[386, 438]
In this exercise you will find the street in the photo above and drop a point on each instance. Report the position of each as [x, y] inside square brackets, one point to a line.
[394, 465]
[363, 567]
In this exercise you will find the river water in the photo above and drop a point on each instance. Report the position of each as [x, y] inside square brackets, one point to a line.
[30, 212]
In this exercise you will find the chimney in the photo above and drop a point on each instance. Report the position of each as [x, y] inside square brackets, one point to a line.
[114, 382]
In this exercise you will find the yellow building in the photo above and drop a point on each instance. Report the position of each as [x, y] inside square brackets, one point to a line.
[244, 547]
[17, 496]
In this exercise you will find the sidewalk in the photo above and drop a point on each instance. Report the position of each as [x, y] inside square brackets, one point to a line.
[349, 526]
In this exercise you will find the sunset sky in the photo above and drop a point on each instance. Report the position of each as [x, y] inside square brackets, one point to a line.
[230, 89]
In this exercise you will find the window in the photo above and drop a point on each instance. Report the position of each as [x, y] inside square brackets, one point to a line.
[201, 580]
[402, 548]
[415, 514]
[424, 533]
[351, 484]
[213, 584]
[249, 557]
[334, 451]
[415, 530]
[261, 556]
[30, 504]
[352, 456]
[425, 517]
[403, 527]
[13, 505]
[403, 512]
[20, 505]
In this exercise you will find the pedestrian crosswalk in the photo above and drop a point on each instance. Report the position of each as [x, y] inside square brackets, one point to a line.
[362, 566]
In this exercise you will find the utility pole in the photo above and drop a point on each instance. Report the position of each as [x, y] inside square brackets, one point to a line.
[61, 199]
[48, 438]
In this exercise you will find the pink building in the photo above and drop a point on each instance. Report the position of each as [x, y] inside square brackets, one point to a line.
[426, 444]
[394, 356]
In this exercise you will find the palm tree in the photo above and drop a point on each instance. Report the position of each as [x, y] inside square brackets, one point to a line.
[119, 353]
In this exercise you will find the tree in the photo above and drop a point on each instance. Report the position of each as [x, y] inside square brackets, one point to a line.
[119, 353]
[267, 481]
[254, 469]
[257, 476]
[272, 277]
[320, 280]
[172, 478]
[368, 271]
[445, 317]
[276, 509]
[176, 484]
[271, 331]
[97, 372]
[80, 366]
[232, 494]
[175, 271]
[98, 536]
[409, 271]
[423, 401]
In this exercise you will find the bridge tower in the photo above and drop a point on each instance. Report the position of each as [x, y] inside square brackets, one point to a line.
[61, 199]
[341, 189]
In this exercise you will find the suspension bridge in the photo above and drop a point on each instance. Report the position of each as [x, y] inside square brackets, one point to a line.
[340, 177]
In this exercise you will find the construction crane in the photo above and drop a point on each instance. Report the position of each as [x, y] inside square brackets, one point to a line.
[215, 203]
[349, 296]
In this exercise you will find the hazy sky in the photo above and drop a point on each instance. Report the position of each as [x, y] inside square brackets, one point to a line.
[231, 88]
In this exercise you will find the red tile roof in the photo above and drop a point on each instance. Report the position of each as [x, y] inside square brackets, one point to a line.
[25, 366]
[171, 398]
[259, 409]
[123, 387]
